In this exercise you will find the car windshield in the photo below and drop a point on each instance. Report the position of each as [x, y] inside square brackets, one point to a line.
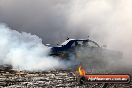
[66, 42]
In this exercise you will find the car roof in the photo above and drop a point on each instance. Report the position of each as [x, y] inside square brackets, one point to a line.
[67, 41]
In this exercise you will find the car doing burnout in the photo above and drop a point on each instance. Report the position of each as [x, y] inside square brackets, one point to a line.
[84, 50]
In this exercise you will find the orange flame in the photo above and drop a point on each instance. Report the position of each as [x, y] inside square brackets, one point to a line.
[82, 71]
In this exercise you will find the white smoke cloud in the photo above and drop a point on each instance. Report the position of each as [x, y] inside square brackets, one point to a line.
[25, 51]
[107, 21]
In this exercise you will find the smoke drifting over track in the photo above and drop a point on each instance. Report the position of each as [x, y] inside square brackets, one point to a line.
[107, 21]
[26, 52]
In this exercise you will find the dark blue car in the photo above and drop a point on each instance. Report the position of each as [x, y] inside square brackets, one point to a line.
[70, 46]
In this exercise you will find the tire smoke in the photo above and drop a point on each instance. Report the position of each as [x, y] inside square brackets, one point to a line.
[25, 51]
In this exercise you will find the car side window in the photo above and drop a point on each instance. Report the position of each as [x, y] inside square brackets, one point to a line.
[85, 44]
[73, 45]
[80, 43]
[91, 44]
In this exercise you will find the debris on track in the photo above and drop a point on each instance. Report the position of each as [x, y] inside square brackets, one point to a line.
[48, 79]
